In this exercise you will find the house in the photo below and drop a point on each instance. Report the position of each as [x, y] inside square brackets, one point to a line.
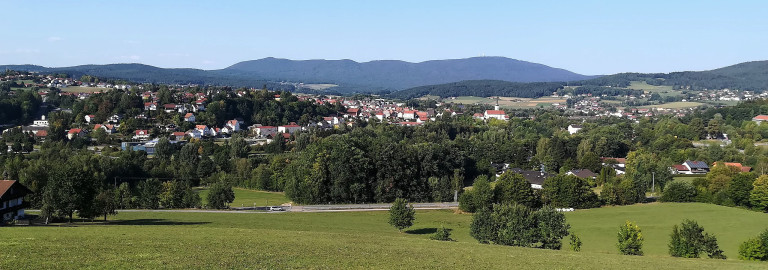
[289, 129]
[150, 106]
[679, 169]
[495, 114]
[12, 202]
[354, 112]
[41, 134]
[572, 129]
[109, 129]
[264, 131]
[204, 130]
[583, 173]
[195, 134]
[115, 119]
[89, 118]
[696, 167]
[40, 123]
[617, 164]
[75, 132]
[169, 108]
[760, 118]
[189, 117]
[409, 115]
[738, 166]
[535, 178]
[233, 126]
[177, 136]
[141, 134]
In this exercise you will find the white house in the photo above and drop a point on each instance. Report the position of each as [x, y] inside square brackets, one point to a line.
[495, 114]
[89, 118]
[204, 130]
[141, 134]
[572, 129]
[40, 123]
[289, 129]
[760, 119]
[195, 134]
[264, 131]
[233, 125]
[409, 115]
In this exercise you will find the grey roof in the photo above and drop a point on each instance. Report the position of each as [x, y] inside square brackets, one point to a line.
[696, 164]
[584, 173]
[533, 177]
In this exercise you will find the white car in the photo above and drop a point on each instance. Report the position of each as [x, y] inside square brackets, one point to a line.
[276, 208]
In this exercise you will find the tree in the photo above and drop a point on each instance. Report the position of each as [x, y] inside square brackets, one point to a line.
[220, 195]
[480, 196]
[239, 148]
[163, 149]
[740, 188]
[551, 226]
[515, 225]
[124, 196]
[106, 203]
[689, 240]
[482, 226]
[569, 191]
[758, 197]
[630, 239]
[575, 242]
[678, 191]
[513, 188]
[755, 249]
[442, 234]
[401, 215]
[149, 193]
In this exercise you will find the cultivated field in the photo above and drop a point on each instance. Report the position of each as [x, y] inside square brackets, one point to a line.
[318, 86]
[508, 102]
[663, 90]
[153, 240]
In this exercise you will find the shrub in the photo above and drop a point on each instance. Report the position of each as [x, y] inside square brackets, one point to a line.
[689, 240]
[758, 197]
[442, 234]
[220, 195]
[481, 227]
[518, 225]
[569, 191]
[678, 191]
[401, 215]
[575, 243]
[630, 239]
[755, 249]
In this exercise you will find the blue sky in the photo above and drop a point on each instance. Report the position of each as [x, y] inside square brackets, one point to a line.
[588, 37]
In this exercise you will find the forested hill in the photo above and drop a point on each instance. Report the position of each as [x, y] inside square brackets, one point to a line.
[481, 88]
[150, 74]
[394, 75]
[752, 76]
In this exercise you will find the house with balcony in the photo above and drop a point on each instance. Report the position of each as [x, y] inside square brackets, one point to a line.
[12, 202]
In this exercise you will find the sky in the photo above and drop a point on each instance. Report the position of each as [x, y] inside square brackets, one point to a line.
[586, 37]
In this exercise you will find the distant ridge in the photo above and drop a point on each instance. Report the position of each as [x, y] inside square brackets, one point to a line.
[395, 74]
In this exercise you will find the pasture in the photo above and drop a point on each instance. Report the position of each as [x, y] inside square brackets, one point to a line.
[167, 240]
[247, 197]
[676, 105]
[508, 102]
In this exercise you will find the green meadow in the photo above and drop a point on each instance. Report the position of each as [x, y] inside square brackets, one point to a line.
[247, 197]
[334, 240]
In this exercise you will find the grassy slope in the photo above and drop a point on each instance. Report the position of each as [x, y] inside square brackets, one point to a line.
[352, 240]
[247, 197]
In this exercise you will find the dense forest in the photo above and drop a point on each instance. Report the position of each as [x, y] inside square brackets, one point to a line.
[481, 88]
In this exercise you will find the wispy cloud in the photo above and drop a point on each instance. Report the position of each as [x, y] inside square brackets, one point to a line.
[54, 39]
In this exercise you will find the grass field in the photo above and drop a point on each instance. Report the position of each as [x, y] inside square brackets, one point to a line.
[663, 90]
[152, 240]
[247, 197]
[319, 86]
[508, 102]
[676, 105]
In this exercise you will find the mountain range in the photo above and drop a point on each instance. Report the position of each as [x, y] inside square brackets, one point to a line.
[351, 76]
[492, 75]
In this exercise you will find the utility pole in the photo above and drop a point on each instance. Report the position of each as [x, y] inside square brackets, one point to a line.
[653, 183]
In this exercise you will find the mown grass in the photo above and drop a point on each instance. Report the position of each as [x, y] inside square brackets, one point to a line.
[676, 105]
[247, 197]
[152, 240]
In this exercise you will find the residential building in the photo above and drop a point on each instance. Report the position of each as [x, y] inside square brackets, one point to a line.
[12, 202]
